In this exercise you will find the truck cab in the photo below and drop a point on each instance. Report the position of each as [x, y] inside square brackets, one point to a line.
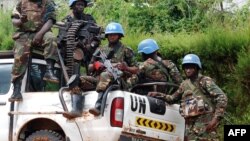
[126, 116]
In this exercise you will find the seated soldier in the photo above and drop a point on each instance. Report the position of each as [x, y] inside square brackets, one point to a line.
[33, 20]
[117, 53]
[154, 68]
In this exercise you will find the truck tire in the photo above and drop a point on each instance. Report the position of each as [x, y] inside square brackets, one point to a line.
[44, 135]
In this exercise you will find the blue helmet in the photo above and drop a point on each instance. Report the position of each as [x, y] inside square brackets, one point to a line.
[147, 46]
[192, 59]
[71, 2]
[114, 27]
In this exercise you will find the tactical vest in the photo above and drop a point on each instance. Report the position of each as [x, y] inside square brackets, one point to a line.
[157, 71]
[117, 56]
[194, 100]
[35, 13]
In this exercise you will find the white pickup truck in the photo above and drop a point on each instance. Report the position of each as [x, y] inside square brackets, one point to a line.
[126, 116]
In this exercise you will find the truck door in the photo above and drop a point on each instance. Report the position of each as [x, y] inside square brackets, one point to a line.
[148, 118]
[5, 92]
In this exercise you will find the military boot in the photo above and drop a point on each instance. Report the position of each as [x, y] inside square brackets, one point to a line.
[96, 111]
[76, 107]
[16, 95]
[49, 74]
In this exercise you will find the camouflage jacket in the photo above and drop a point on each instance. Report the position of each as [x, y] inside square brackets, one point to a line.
[37, 13]
[160, 71]
[210, 90]
[85, 17]
[119, 53]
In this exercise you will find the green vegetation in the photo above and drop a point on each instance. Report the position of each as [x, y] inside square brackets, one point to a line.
[6, 30]
[220, 38]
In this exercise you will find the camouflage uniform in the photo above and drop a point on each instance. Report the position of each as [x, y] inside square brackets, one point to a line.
[121, 54]
[201, 100]
[156, 71]
[37, 14]
[85, 17]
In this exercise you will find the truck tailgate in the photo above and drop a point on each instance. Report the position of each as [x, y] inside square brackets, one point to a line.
[151, 119]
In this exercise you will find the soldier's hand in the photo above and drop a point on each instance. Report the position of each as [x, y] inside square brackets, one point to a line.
[122, 66]
[212, 125]
[37, 40]
[150, 61]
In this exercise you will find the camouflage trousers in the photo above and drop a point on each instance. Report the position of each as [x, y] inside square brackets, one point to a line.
[106, 78]
[195, 129]
[22, 48]
[87, 83]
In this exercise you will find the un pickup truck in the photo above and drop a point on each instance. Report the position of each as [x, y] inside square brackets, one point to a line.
[126, 116]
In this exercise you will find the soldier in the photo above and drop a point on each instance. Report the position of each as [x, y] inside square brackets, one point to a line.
[118, 54]
[203, 103]
[33, 20]
[86, 82]
[77, 7]
[154, 68]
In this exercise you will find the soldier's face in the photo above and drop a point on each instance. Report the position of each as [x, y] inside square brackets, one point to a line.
[113, 38]
[190, 70]
[79, 6]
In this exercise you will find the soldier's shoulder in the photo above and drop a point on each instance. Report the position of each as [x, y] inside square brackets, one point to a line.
[206, 81]
[206, 78]
[128, 49]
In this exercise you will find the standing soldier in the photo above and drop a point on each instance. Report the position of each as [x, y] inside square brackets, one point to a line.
[203, 103]
[33, 20]
[154, 68]
[77, 7]
[87, 82]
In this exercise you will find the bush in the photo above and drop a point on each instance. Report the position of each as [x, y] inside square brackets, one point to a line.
[6, 31]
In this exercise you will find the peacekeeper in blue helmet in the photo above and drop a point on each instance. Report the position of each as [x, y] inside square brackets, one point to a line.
[203, 103]
[154, 67]
[120, 56]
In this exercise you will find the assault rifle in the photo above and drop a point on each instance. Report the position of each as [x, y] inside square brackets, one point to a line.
[114, 71]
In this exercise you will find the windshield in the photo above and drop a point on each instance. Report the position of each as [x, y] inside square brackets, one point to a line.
[5, 78]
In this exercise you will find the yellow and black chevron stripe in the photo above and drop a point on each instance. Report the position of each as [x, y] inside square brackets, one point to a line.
[155, 124]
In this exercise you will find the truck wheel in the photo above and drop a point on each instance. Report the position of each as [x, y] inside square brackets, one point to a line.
[44, 135]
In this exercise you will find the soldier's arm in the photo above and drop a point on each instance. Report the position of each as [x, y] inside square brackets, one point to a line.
[173, 72]
[176, 96]
[129, 57]
[49, 17]
[130, 65]
[217, 95]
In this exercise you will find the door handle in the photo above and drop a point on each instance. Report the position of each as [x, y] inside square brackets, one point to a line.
[2, 103]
